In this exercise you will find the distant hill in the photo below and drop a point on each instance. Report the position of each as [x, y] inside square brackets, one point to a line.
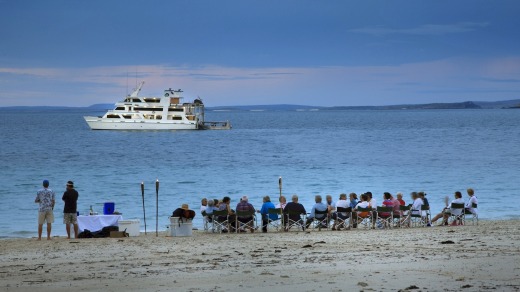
[515, 103]
[505, 104]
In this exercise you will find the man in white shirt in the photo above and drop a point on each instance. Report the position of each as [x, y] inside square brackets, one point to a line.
[471, 202]
[448, 211]
[341, 203]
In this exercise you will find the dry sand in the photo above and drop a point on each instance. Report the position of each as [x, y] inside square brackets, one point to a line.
[484, 257]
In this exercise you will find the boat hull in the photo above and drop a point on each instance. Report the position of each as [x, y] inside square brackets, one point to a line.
[97, 123]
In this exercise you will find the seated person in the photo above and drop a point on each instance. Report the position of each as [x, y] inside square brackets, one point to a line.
[203, 206]
[400, 199]
[282, 202]
[184, 213]
[264, 211]
[231, 217]
[396, 205]
[244, 206]
[319, 206]
[417, 203]
[387, 202]
[362, 204]
[472, 201]
[353, 200]
[447, 211]
[208, 212]
[341, 203]
[297, 209]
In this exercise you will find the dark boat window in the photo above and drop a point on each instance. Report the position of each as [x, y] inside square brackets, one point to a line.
[150, 109]
[152, 100]
[172, 109]
[113, 116]
[136, 100]
[177, 118]
[120, 108]
[127, 116]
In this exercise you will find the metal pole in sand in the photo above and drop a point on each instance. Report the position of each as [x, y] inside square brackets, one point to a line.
[144, 212]
[156, 208]
[281, 207]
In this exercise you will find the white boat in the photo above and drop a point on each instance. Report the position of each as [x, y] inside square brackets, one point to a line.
[155, 113]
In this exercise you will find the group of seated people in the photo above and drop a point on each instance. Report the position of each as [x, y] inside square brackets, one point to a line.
[324, 212]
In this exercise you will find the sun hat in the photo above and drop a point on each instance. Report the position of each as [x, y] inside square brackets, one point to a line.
[244, 198]
[185, 207]
[45, 182]
[70, 183]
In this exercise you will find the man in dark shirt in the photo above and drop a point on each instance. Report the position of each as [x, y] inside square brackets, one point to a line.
[245, 207]
[70, 197]
[296, 209]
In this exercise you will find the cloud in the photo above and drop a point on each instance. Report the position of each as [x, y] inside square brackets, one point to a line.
[446, 80]
[427, 29]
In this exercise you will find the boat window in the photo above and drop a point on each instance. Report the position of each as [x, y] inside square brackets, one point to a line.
[176, 118]
[158, 117]
[113, 117]
[173, 109]
[152, 100]
[127, 116]
[150, 109]
[136, 100]
[120, 108]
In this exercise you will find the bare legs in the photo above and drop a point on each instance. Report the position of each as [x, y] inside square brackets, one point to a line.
[67, 227]
[40, 230]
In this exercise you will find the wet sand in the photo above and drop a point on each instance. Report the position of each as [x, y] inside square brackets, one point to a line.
[458, 258]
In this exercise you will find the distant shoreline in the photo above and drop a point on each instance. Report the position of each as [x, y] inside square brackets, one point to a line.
[504, 104]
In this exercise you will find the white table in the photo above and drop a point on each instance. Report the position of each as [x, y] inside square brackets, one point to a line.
[97, 222]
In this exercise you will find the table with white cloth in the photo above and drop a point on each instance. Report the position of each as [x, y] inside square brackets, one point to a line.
[97, 222]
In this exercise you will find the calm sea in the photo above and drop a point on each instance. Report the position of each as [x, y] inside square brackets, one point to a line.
[321, 152]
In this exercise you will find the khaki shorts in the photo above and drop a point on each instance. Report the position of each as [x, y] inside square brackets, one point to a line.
[45, 216]
[70, 218]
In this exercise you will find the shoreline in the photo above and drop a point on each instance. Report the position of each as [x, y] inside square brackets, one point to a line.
[474, 258]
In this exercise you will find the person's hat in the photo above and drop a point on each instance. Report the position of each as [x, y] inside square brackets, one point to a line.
[185, 207]
[244, 198]
[45, 182]
[70, 183]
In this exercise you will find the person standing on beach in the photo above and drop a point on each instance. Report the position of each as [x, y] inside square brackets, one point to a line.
[70, 197]
[45, 197]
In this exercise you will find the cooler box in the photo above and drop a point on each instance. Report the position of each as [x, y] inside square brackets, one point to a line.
[183, 228]
[131, 226]
[109, 208]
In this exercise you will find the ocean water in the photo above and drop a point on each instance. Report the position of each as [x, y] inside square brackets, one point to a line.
[318, 152]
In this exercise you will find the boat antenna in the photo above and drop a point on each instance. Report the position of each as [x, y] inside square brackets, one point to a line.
[137, 89]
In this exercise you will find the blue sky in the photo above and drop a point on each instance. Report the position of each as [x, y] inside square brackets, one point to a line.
[78, 53]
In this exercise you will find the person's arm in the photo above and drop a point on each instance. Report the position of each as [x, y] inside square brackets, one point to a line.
[37, 199]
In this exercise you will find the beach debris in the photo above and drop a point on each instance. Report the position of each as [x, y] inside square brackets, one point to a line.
[307, 246]
[320, 242]
[362, 284]
[284, 276]
[277, 250]
[412, 287]
[447, 242]
[466, 286]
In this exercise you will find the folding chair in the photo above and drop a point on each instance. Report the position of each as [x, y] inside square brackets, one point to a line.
[384, 216]
[320, 220]
[363, 217]
[207, 218]
[426, 215]
[404, 217]
[342, 220]
[456, 214]
[220, 221]
[472, 216]
[240, 222]
[300, 223]
[276, 223]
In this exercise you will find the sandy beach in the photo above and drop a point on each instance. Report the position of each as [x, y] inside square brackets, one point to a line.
[467, 258]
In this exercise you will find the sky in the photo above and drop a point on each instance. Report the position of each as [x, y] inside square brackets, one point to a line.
[243, 52]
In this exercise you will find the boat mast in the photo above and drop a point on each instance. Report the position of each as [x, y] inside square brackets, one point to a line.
[137, 90]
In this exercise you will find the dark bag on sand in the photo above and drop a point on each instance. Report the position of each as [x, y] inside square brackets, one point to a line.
[105, 232]
[85, 234]
[183, 214]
